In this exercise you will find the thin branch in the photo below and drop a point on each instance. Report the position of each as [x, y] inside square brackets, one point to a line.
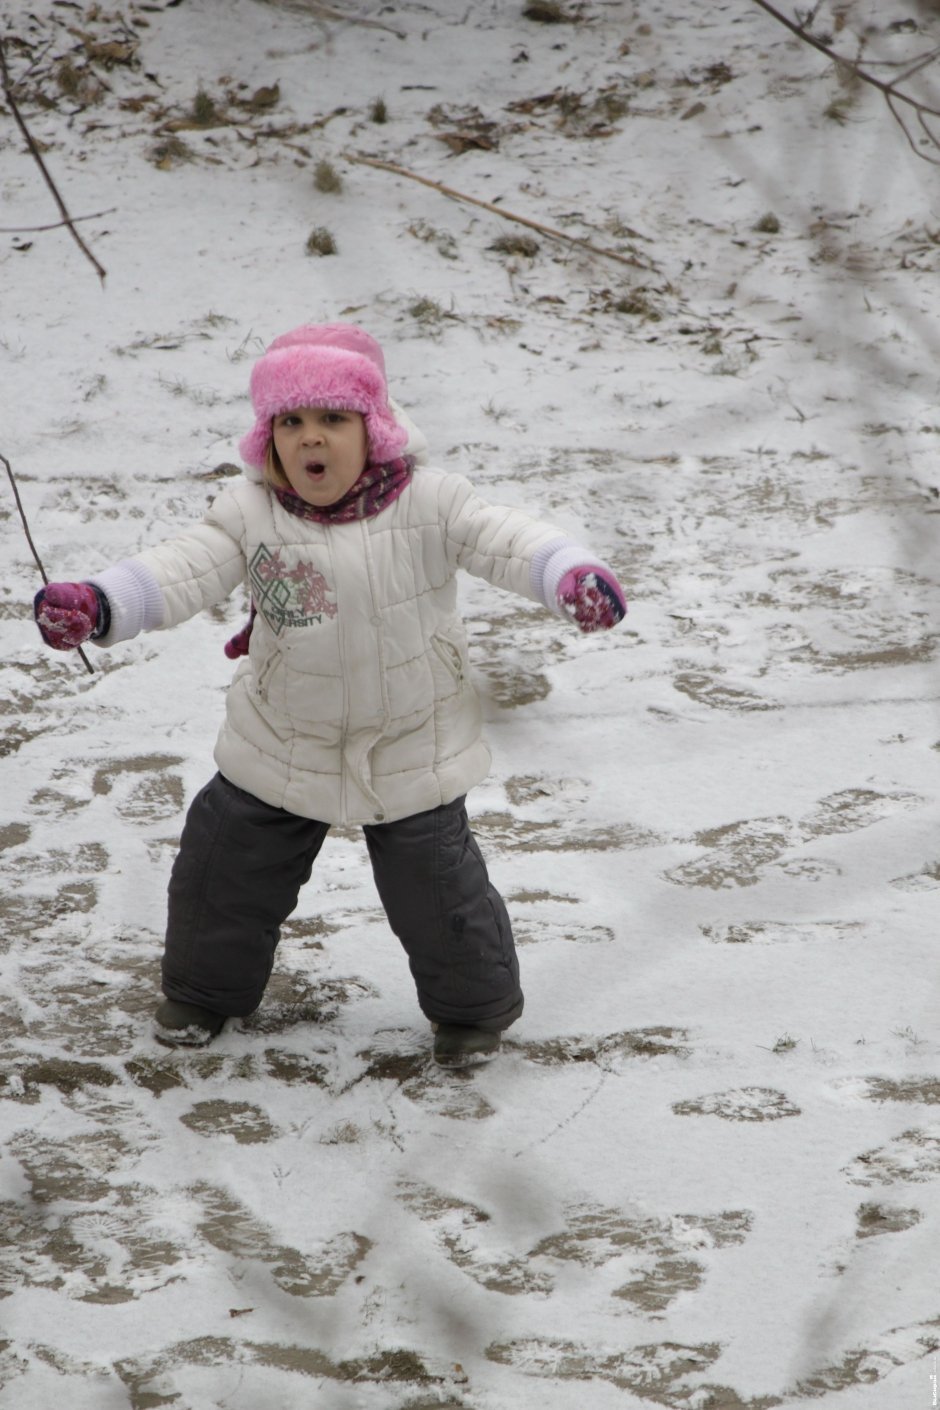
[505, 214]
[29, 539]
[321, 11]
[329, 12]
[888, 88]
[56, 224]
[37, 157]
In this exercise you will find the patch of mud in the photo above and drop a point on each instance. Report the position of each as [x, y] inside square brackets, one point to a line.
[456, 1225]
[531, 898]
[396, 1055]
[309, 931]
[106, 774]
[662, 1251]
[85, 857]
[62, 1073]
[707, 689]
[594, 1236]
[149, 1380]
[536, 790]
[74, 896]
[393, 1067]
[293, 1000]
[452, 1094]
[396, 1058]
[544, 932]
[653, 1291]
[874, 1219]
[511, 651]
[190, 1068]
[897, 653]
[635, 1043]
[854, 808]
[14, 736]
[101, 1256]
[20, 918]
[808, 868]
[913, 1157]
[247, 1123]
[146, 787]
[437, 1404]
[740, 1104]
[780, 932]
[654, 1372]
[76, 1170]
[23, 916]
[862, 619]
[295, 1069]
[54, 802]
[14, 835]
[232, 1229]
[516, 685]
[12, 1023]
[863, 1367]
[736, 854]
[82, 1012]
[155, 1075]
[927, 879]
[922, 1090]
[512, 834]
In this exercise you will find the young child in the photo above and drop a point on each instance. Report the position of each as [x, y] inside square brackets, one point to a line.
[353, 703]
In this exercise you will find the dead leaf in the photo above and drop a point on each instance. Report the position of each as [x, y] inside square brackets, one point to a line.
[460, 142]
[264, 98]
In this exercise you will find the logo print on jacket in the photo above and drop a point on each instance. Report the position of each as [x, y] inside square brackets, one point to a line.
[288, 597]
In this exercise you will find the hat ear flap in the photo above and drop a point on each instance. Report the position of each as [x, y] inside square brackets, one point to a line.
[386, 438]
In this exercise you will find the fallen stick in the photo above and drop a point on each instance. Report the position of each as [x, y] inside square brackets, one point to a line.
[53, 225]
[548, 230]
[320, 11]
[37, 157]
[29, 539]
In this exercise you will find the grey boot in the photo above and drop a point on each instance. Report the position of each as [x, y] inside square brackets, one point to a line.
[186, 1025]
[463, 1045]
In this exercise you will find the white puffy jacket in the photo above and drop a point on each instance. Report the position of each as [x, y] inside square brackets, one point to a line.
[355, 703]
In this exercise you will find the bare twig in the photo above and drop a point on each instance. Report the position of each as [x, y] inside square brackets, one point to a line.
[898, 102]
[505, 214]
[55, 225]
[319, 11]
[37, 157]
[29, 539]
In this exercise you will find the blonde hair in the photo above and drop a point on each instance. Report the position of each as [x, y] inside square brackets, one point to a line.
[273, 470]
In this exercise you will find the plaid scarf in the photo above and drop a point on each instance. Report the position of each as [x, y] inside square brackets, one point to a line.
[377, 487]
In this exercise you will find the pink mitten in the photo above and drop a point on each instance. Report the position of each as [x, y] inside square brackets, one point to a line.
[238, 644]
[592, 597]
[66, 614]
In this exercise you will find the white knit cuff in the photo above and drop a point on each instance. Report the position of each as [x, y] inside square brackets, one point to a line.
[135, 598]
[552, 562]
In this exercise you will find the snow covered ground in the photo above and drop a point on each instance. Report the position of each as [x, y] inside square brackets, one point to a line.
[704, 1170]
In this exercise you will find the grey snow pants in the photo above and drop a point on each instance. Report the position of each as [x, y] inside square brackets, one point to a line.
[238, 874]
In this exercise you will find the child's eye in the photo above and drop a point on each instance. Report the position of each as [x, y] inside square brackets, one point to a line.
[334, 417]
[288, 420]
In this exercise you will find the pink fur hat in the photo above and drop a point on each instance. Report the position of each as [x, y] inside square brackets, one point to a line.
[329, 364]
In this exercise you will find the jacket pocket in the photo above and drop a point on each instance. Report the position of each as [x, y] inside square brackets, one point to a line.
[449, 653]
[263, 673]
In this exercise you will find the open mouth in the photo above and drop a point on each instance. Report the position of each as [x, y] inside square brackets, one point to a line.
[315, 469]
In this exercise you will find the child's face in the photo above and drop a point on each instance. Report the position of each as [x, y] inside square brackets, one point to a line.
[322, 452]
